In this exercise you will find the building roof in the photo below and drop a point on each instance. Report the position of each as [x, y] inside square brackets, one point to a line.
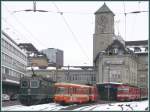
[109, 47]
[6, 35]
[142, 53]
[120, 46]
[28, 47]
[104, 9]
[134, 43]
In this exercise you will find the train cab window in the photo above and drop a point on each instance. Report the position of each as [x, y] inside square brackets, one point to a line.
[123, 89]
[24, 84]
[34, 84]
[61, 90]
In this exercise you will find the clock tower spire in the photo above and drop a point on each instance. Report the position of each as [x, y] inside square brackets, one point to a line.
[104, 29]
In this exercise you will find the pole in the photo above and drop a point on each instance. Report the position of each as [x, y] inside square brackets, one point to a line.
[108, 81]
[68, 74]
[34, 6]
[56, 74]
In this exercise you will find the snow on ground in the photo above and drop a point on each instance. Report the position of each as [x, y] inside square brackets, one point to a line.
[121, 106]
[41, 107]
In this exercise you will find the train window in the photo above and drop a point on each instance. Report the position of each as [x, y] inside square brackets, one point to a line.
[24, 84]
[123, 89]
[34, 84]
[61, 90]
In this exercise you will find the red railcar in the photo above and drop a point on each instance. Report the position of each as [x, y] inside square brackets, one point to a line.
[128, 93]
[121, 92]
[74, 93]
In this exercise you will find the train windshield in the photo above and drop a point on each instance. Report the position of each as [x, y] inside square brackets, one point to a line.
[24, 84]
[34, 83]
[123, 89]
[61, 90]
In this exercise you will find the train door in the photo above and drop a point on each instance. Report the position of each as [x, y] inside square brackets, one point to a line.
[70, 93]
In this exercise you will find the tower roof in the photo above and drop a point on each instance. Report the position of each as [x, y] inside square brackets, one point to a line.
[104, 9]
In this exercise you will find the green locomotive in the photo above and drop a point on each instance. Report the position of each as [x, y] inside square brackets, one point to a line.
[35, 90]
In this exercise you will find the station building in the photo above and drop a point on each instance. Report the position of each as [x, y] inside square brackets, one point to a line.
[79, 75]
[115, 59]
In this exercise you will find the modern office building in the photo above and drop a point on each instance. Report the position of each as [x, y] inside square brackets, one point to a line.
[55, 57]
[13, 64]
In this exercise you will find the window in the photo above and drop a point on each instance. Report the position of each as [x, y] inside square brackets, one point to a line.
[146, 48]
[24, 84]
[34, 84]
[6, 71]
[123, 89]
[120, 52]
[61, 90]
[115, 50]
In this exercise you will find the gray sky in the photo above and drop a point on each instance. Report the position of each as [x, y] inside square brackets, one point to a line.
[72, 31]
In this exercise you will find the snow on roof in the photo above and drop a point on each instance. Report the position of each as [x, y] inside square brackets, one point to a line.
[70, 68]
[51, 68]
[12, 81]
[34, 68]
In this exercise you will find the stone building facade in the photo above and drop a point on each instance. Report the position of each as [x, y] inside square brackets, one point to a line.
[73, 75]
[104, 29]
[117, 60]
[140, 48]
[117, 64]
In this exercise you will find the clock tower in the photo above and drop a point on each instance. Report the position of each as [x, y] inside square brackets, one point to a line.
[104, 29]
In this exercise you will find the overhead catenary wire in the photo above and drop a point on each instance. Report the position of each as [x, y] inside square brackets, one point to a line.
[67, 12]
[16, 30]
[26, 29]
[133, 12]
[62, 12]
[125, 20]
[69, 28]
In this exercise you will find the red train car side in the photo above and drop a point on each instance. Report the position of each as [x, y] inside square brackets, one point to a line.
[93, 94]
[121, 92]
[128, 93]
[74, 93]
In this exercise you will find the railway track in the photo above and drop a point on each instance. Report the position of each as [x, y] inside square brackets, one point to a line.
[71, 107]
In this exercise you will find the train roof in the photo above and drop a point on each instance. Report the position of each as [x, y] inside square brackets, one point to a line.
[110, 83]
[70, 84]
[116, 83]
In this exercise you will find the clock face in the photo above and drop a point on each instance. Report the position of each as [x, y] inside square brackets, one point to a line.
[102, 21]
